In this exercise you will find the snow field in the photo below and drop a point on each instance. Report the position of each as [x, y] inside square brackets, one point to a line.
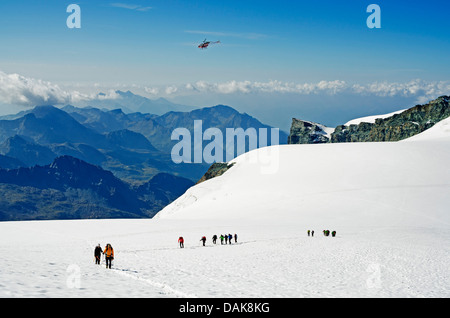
[388, 202]
[270, 260]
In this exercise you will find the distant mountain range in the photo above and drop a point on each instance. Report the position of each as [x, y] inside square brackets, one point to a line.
[70, 188]
[99, 163]
[158, 129]
[132, 103]
[135, 146]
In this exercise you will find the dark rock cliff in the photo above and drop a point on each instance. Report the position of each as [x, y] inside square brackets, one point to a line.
[305, 132]
[216, 170]
[397, 127]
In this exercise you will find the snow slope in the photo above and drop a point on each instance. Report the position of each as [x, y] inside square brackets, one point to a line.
[371, 119]
[439, 132]
[362, 184]
[388, 203]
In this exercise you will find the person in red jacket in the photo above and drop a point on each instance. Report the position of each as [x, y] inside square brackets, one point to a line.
[181, 241]
[204, 240]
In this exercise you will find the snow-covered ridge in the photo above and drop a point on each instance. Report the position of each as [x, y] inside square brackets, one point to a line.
[439, 131]
[327, 130]
[340, 182]
[372, 119]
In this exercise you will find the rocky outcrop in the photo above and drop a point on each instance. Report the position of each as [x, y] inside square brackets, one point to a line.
[305, 132]
[397, 127]
[400, 126]
[216, 170]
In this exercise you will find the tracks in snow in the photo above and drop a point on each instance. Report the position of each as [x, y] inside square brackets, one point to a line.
[165, 289]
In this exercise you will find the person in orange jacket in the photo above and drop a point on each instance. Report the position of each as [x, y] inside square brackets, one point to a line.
[109, 255]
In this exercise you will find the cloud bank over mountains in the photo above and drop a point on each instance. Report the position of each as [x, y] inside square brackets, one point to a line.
[24, 91]
[418, 88]
[19, 90]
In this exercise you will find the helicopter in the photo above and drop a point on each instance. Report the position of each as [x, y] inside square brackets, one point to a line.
[205, 44]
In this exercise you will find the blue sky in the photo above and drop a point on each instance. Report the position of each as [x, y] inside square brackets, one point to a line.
[150, 45]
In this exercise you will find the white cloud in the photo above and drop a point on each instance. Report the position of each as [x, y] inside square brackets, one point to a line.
[110, 94]
[170, 90]
[152, 90]
[417, 88]
[243, 35]
[19, 90]
[128, 6]
[423, 91]
[24, 91]
[246, 87]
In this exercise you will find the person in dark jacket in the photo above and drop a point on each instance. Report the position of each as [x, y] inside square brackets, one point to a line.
[98, 254]
[214, 238]
[203, 239]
